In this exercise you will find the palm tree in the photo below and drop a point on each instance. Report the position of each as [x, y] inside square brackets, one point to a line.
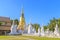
[52, 24]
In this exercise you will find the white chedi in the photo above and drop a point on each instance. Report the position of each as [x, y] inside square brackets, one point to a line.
[47, 32]
[34, 31]
[30, 28]
[13, 28]
[39, 33]
[56, 31]
[42, 31]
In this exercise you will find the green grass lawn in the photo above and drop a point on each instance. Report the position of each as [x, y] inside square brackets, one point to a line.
[26, 38]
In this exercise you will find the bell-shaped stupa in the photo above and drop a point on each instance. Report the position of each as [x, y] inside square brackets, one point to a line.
[30, 28]
[42, 31]
[56, 31]
[39, 32]
[21, 25]
[13, 28]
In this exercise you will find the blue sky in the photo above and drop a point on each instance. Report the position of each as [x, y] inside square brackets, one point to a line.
[40, 11]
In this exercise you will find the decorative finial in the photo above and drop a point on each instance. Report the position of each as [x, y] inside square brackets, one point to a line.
[22, 11]
[30, 21]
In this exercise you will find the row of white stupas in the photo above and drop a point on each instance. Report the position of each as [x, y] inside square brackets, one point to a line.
[31, 31]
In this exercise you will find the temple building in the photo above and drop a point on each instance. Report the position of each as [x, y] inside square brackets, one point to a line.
[25, 29]
[5, 25]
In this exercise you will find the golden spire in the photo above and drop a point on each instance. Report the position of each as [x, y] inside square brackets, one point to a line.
[22, 20]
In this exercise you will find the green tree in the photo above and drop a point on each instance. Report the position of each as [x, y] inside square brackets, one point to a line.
[45, 27]
[0, 23]
[36, 26]
[52, 24]
[16, 21]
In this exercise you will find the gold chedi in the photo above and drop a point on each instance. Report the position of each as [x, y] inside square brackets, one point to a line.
[22, 21]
